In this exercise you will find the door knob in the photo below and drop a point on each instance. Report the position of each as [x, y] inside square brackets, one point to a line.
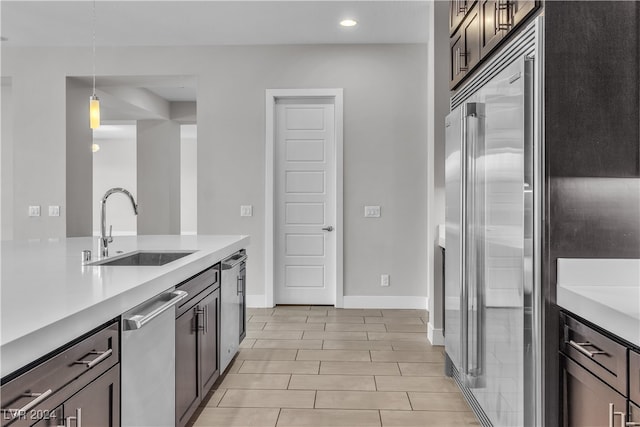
[329, 228]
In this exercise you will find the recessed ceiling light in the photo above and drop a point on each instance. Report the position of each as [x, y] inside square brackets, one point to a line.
[348, 23]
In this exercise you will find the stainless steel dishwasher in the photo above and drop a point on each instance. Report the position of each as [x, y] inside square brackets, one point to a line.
[148, 362]
[232, 302]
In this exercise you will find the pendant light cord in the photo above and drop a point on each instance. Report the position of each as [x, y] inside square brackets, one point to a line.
[94, 47]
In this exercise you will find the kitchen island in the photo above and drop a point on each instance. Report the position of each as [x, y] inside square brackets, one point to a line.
[48, 297]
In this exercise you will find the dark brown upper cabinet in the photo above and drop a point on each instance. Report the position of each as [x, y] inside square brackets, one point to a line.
[520, 9]
[478, 28]
[495, 22]
[457, 11]
[464, 47]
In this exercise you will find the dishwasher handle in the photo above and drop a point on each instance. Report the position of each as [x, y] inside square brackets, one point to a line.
[137, 321]
[232, 261]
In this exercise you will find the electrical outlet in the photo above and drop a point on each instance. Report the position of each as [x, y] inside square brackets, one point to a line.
[372, 211]
[384, 280]
[34, 210]
[246, 210]
[54, 210]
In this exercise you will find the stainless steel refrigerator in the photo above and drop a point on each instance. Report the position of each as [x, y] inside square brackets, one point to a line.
[492, 281]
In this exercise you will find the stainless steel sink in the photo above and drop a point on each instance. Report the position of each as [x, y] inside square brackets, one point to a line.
[144, 258]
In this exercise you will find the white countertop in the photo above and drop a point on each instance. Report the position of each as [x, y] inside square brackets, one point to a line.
[605, 292]
[48, 298]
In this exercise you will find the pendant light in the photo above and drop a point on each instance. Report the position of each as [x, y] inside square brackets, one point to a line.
[94, 102]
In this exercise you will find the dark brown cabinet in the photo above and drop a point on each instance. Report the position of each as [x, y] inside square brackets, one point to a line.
[457, 12]
[209, 367]
[520, 9]
[77, 384]
[476, 29]
[495, 22]
[600, 377]
[242, 290]
[634, 377]
[634, 415]
[464, 47]
[587, 399]
[96, 405]
[188, 394]
[197, 338]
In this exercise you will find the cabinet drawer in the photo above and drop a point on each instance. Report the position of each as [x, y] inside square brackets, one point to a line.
[197, 284]
[69, 369]
[599, 354]
[634, 377]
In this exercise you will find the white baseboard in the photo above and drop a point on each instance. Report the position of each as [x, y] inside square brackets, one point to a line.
[256, 301]
[434, 335]
[384, 302]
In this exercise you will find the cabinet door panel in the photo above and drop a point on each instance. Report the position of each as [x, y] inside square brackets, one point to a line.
[634, 414]
[187, 386]
[634, 377]
[457, 67]
[98, 404]
[243, 304]
[471, 28]
[457, 11]
[209, 366]
[494, 19]
[586, 399]
[521, 9]
[464, 48]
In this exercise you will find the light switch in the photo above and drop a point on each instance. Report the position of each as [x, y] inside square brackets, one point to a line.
[34, 210]
[54, 210]
[384, 280]
[246, 210]
[372, 211]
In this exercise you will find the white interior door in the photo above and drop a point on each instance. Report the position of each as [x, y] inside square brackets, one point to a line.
[305, 202]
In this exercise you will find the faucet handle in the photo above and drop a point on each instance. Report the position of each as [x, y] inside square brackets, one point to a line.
[110, 231]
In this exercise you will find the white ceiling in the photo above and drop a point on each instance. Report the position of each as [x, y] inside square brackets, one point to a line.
[197, 23]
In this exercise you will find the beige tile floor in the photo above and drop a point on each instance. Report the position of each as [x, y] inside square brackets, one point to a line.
[317, 366]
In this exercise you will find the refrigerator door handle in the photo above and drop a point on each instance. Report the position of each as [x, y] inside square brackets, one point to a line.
[472, 286]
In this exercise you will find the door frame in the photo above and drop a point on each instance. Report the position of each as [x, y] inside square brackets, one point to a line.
[271, 96]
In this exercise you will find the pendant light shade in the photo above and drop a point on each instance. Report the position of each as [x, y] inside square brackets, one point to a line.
[94, 112]
[94, 102]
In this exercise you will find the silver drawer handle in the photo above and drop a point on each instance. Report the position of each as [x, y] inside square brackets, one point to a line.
[579, 346]
[39, 397]
[91, 363]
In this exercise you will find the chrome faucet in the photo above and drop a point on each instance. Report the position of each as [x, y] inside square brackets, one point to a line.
[104, 239]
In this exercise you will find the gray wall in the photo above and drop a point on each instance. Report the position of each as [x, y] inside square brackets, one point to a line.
[158, 154]
[79, 165]
[188, 180]
[115, 166]
[385, 142]
[6, 161]
[438, 110]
